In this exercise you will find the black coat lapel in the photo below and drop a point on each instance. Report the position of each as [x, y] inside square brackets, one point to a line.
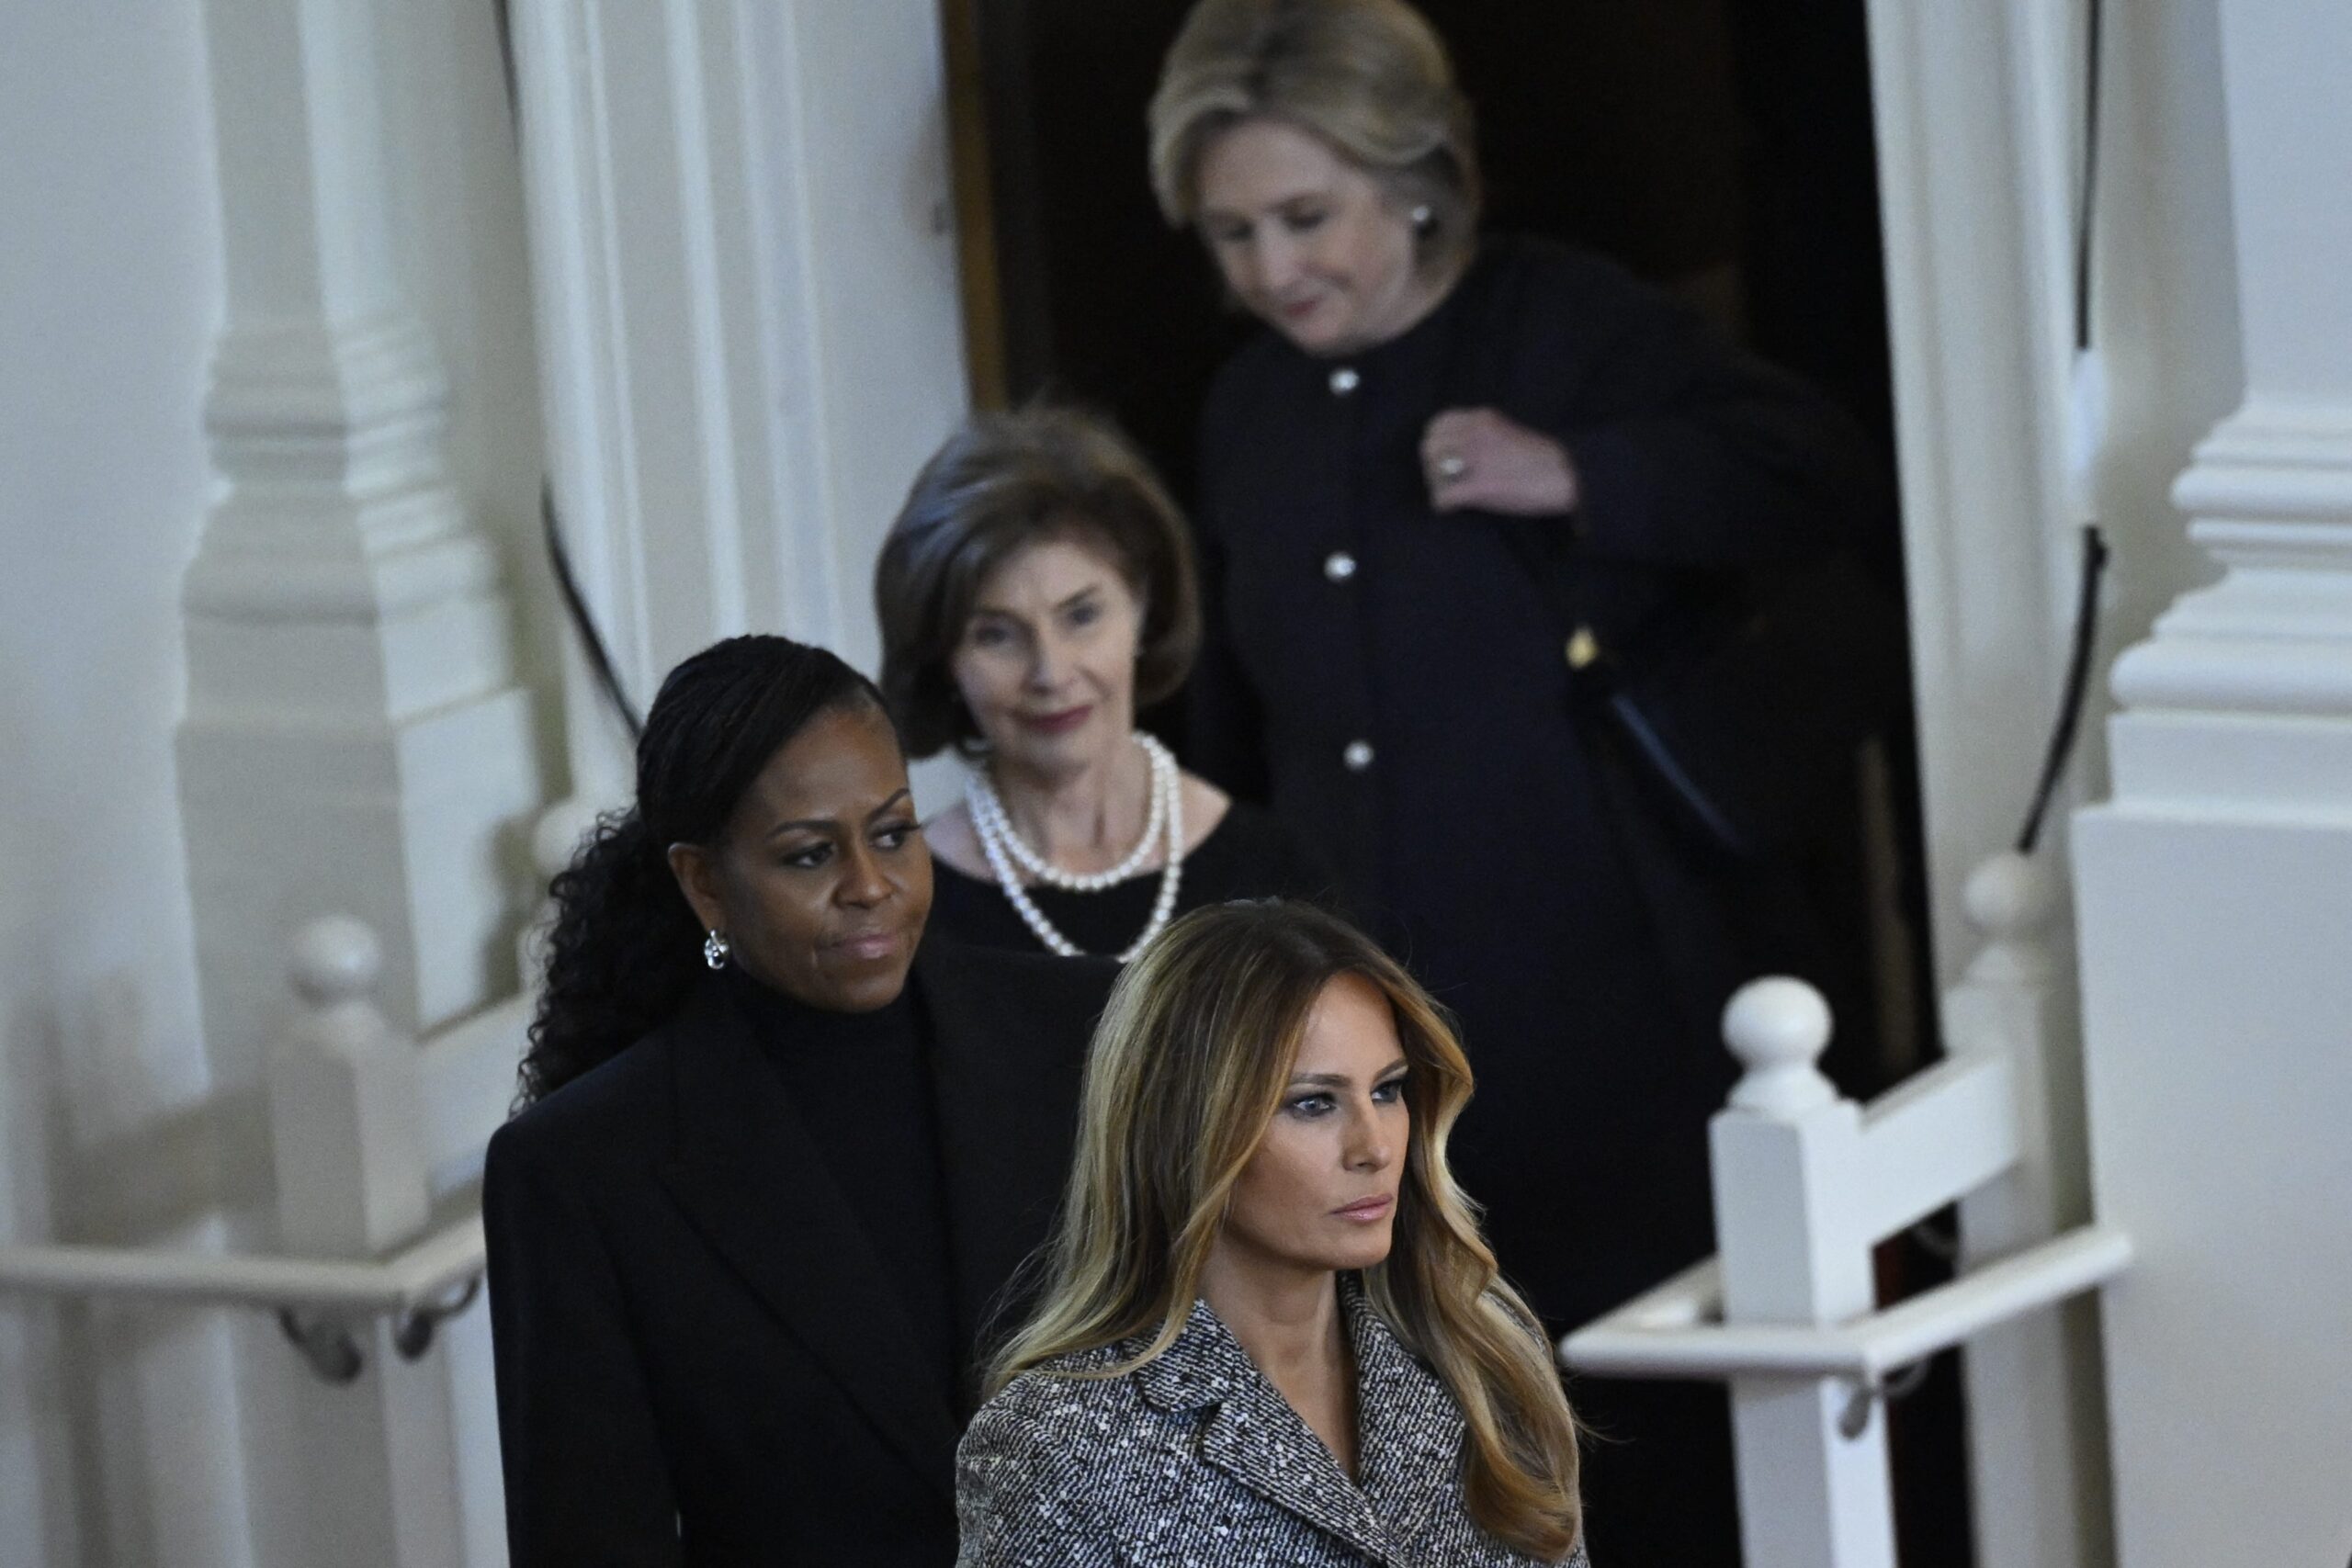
[751, 1183]
[1009, 1035]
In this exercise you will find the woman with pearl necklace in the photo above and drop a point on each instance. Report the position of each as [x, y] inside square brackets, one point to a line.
[1035, 591]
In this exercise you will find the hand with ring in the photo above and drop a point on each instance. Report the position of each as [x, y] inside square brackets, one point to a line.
[1482, 459]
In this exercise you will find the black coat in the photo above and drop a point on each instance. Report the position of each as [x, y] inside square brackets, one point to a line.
[696, 1360]
[1392, 681]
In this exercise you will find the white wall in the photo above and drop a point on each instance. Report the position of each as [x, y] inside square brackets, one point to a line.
[110, 1423]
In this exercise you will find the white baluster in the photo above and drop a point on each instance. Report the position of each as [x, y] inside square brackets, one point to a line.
[2036, 1429]
[2011, 900]
[1795, 1250]
[346, 1120]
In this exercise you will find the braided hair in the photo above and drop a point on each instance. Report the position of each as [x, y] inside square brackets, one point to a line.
[626, 945]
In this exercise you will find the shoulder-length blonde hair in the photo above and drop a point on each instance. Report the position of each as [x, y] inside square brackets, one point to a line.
[1370, 77]
[1189, 1067]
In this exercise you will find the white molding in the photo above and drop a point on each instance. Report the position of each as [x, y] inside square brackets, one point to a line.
[1978, 112]
[2270, 491]
[1973, 228]
[749, 316]
[2213, 886]
[355, 738]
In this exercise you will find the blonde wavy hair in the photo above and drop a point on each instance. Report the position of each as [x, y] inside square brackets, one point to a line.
[1370, 77]
[1189, 1067]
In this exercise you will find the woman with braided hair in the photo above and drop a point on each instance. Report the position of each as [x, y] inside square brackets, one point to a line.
[779, 1157]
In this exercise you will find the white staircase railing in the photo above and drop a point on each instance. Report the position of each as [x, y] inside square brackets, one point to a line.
[372, 1133]
[378, 1140]
[1806, 1183]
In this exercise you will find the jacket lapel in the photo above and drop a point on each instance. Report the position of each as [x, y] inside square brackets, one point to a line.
[750, 1182]
[1408, 1428]
[1254, 1436]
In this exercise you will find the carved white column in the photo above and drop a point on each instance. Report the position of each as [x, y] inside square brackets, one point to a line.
[2215, 890]
[749, 321]
[354, 738]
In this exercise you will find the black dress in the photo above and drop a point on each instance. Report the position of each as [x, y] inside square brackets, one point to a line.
[1392, 681]
[1248, 854]
[739, 1272]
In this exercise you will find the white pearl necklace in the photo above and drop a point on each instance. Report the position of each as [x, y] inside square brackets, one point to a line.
[1003, 847]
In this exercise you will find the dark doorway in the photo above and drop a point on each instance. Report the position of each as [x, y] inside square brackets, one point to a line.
[1721, 148]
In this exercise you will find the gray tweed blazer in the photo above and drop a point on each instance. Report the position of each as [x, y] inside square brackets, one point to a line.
[1197, 1459]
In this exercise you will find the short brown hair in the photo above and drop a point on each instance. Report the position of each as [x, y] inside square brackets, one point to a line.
[1370, 77]
[1001, 483]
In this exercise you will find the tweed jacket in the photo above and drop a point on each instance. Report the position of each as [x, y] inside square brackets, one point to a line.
[1196, 1459]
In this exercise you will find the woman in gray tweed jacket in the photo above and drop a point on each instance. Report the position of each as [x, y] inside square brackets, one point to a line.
[1271, 1333]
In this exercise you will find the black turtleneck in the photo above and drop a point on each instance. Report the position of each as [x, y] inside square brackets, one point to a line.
[862, 1083]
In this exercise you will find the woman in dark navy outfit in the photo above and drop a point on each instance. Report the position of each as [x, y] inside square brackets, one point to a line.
[780, 1160]
[1429, 413]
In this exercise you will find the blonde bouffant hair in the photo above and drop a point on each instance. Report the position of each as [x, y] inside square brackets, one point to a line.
[1189, 1066]
[1370, 77]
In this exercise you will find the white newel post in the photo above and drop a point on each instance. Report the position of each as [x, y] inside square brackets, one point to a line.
[2215, 891]
[2036, 1434]
[354, 738]
[347, 1123]
[1787, 1157]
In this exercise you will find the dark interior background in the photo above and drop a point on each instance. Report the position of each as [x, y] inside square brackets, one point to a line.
[1719, 148]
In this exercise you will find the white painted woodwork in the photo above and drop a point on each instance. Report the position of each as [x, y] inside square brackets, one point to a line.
[380, 1453]
[749, 319]
[346, 1105]
[432, 1271]
[340, 1072]
[355, 741]
[2007, 443]
[1787, 1159]
[1807, 1184]
[2038, 1474]
[1677, 1329]
[2215, 891]
[1975, 227]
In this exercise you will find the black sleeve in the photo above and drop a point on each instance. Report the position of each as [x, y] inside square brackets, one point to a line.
[586, 1479]
[1688, 453]
[1224, 723]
